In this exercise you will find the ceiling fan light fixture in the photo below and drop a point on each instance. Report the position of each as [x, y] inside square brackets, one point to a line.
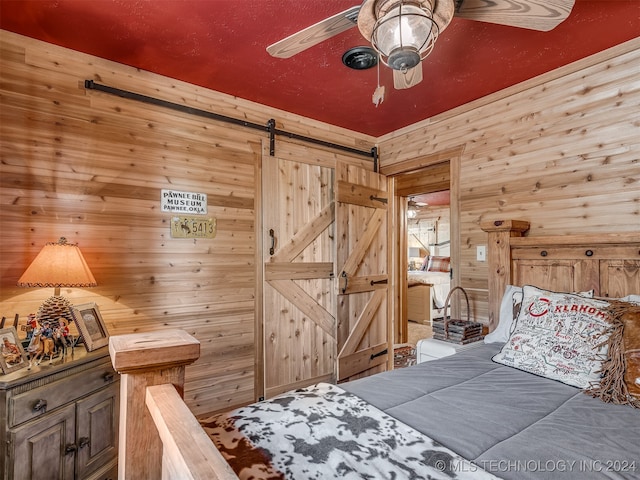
[404, 33]
[403, 58]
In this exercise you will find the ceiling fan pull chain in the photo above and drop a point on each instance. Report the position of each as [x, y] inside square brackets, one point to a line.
[378, 93]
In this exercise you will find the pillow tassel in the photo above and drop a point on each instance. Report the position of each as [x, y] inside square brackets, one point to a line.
[612, 387]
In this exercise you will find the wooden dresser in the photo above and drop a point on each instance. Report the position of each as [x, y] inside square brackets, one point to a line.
[60, 421]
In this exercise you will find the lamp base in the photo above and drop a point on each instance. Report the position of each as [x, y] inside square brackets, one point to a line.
[53, 308]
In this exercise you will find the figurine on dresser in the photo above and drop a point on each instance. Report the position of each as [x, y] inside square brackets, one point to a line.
[49, 340]
[62, 338]
[40, 345]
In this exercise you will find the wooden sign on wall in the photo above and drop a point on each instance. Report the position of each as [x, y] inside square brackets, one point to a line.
[186, 226]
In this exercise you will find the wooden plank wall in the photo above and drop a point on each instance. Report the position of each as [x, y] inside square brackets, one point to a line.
[432, 225]
[561, 151]
[90, 167]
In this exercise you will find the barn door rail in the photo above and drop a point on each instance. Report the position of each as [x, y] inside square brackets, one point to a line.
[270, 127]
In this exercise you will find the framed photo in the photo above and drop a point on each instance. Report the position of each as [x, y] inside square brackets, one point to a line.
[13, 356]
[90, 325]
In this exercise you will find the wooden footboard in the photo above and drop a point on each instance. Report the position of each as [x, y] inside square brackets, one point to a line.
[419, 303]
[187, 451]
[159, 436]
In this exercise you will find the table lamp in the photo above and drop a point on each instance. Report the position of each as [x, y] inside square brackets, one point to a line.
[57, 265]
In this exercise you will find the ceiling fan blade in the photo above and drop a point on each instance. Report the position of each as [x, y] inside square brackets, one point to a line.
[408, 79]
[314, 34]
[542, 15]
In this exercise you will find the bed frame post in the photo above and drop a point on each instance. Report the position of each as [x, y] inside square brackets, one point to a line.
[143, 360]
[499, 260]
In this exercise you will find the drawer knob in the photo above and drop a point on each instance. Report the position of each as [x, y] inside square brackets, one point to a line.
[70, 448]
[108, 376]
[589, 253]
[83, 442]
[40, 405]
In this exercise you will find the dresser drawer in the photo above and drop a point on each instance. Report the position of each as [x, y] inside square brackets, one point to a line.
[58, 393]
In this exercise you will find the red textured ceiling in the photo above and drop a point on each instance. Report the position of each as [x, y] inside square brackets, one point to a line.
[220, 44]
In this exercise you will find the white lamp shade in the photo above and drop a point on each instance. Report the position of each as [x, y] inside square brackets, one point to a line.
[404, 35]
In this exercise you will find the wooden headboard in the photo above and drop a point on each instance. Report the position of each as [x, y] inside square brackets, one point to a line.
[608, 264]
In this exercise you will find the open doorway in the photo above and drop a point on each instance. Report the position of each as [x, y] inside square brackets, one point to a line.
[429, 261]
[434, 235]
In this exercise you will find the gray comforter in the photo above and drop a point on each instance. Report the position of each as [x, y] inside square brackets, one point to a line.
[511, 423]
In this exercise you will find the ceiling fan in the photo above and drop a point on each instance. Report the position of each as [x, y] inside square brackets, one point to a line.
[404, 32]
[413, 207]
[412, 203]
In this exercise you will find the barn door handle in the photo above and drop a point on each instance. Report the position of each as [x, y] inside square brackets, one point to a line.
[272, 234]
[378, 199]
[379, 282]
[346, 281]
[379, 354]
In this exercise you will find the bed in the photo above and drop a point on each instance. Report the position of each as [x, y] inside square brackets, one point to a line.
[427, 291]
[468, 415]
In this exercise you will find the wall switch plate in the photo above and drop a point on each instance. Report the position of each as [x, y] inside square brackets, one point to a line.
[481, 253]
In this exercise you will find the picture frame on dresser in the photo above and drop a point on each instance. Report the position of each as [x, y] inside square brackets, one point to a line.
[12, 357]
[91, 325]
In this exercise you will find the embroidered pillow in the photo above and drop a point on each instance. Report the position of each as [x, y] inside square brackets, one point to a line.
[509, 309]
[560, 336]
[439, 264]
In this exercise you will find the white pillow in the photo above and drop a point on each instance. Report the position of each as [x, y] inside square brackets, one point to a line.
[631, 299]
[512, 294]
[509, 308]
[560, 336]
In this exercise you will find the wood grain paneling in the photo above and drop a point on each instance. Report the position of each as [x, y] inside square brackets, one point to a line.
[561, 151]
[90, 166]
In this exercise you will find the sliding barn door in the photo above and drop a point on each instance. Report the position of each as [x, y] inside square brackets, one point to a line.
[363, 334]
[299, 302]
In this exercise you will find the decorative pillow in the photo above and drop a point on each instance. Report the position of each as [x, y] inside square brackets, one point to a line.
[439, 264]
[509, 309]
[561, 336]
[635, 299]
[620, 381]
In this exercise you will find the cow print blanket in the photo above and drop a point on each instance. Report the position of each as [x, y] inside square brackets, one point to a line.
[323, 432]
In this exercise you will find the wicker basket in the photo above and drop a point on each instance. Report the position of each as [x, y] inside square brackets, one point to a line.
[455, 330]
